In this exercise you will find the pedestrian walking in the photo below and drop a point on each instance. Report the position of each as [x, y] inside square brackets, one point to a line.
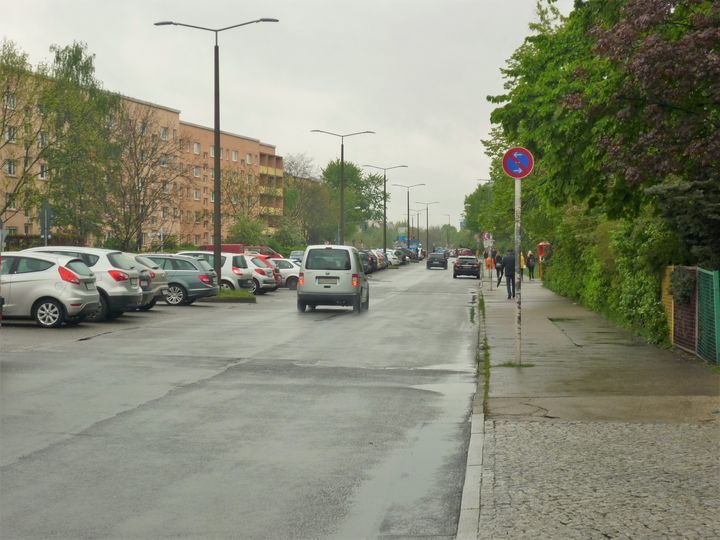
[499, 268]
[531, 265]
[509, 271]
[522, 266]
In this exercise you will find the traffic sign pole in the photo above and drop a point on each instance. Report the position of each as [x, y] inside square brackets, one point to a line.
[518, 162]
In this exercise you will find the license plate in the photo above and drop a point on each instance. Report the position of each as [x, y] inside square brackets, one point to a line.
[90, 286]
[327, 280]
[133, 281]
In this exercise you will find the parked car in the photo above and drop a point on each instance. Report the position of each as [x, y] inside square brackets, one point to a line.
[189, 278]
[368, 260]
[464, 251]
[392, 258]
[466, 266]
[49, 288]
[242, 248]
[381, 259]
[289, 272]
[234, 270]
[117, 278]
[436, 259]
[153, 281]
[296, 256]
[332, 275]
[266, 278]
[411, 254]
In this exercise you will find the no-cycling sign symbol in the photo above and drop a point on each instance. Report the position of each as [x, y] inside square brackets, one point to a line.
[518, 162]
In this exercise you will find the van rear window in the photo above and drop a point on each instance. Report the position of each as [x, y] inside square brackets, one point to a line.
[328, 259]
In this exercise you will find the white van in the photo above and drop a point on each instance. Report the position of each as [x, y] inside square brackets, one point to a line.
[332, 275]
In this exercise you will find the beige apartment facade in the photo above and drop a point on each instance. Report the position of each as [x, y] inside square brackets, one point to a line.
[181, 159]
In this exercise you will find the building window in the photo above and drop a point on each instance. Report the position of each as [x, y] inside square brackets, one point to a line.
[143, 127]
[11, 134]
[197, 195]
[165, 212]
[196, 148]
[212, 151]
[164, 160]
[175, 213]
[164, 133]
[42, 139]
[196, 171]
[212, 197]
[12, 231]
[249, 179]
[234, 155]
[206, 236]
[197, 217]
[10, 201]
[212, 173]
[27, 229]
[10, 101]
[205, 201]
[248, 159]
[42, 175]
[10, 167]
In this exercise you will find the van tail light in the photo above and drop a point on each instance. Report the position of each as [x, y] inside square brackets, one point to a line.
[205, 279]
[261, 271]
[69, 276]
[301, 278]
[354, 280]
[119, 275]
[236, 271]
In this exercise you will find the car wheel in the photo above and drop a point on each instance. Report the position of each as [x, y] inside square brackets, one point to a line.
[454, 276]
[292, 283]
[49, 313]
[256, 290]
[357, 305]
[226, 286]
[149, 305]
[176, 295]
[301, 306]
[101, 313]
[366, 304]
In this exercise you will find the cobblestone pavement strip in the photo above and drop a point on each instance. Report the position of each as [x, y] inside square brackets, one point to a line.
[556, 479]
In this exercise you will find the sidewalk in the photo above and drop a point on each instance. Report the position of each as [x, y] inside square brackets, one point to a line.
[604, 437]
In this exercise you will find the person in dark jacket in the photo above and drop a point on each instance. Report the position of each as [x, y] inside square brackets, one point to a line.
[499, 268]
[509, 271]
[530, 261]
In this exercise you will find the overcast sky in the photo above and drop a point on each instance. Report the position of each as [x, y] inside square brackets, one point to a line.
[416, 72]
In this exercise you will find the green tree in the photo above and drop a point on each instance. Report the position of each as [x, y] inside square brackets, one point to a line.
[246, 230]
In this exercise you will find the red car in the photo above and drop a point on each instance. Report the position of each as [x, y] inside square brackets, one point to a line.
[263, 260]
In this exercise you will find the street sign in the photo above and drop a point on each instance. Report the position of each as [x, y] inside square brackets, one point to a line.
[518, 162]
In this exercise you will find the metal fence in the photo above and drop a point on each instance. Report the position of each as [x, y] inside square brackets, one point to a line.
[695, 325]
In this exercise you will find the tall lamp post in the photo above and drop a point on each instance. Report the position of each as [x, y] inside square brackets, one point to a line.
[341, 234]
[408, 207]
[427, 221]
[384, 170]
[417, 220]
[217, 228]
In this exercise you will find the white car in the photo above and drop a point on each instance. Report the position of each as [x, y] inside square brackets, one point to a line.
[49, 288]
[117, 278]
[332, 275]
[289, 271]
[392, 258]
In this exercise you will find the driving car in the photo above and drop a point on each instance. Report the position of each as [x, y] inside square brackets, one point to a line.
[117, 278]
[466, 266]
[234, 270]
[332, 275]
[189, 278]
[49, 288]
[436, 260]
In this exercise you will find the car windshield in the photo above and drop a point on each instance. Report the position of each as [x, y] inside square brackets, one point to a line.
[239, 261]
[204, 265]
[79, 268]
[328, 259]
[467, 259]
[146, 261]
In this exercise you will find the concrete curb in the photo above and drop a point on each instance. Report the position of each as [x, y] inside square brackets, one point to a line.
[469, 522]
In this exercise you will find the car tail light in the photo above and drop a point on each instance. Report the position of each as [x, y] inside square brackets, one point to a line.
[301, 278]
[119, 275]
[457, 263]
[237, 271]
[69, 276]
[354, 280]
[476, 265]
[261, 271]
[152, 274]
[207, 280]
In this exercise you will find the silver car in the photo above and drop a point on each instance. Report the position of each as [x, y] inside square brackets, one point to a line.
[234, 269]
[117, 278]
[153, 281]
[49, 288]
[289, 271]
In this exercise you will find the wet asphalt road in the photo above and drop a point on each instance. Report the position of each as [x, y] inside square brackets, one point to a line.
[244, 421]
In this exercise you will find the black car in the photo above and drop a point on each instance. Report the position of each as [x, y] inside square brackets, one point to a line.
[368, 260]
[436, 260]
[466, 266]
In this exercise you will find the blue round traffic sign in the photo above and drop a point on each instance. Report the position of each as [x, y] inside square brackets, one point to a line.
[518, 162]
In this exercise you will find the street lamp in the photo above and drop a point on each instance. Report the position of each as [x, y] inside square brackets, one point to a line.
[427, 221]
[417, 220]
[217, 229]
[448, 231]
[408, 207]
[341, 235]
[384, 170]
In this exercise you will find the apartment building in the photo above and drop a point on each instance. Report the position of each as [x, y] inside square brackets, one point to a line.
[172, 159]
